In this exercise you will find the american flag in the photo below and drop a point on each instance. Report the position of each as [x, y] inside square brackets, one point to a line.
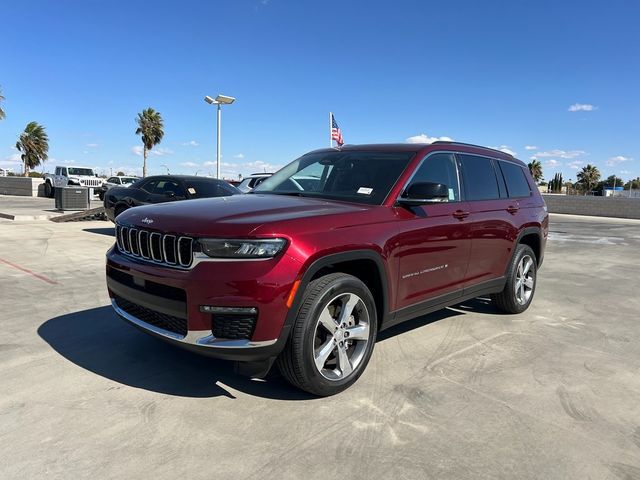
[336, 134]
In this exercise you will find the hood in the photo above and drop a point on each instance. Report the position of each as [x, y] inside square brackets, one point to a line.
[238, 215]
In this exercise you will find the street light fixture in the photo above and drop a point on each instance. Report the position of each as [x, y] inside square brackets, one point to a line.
[219, 100]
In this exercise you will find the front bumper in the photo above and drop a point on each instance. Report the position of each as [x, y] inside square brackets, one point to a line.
[261, 285]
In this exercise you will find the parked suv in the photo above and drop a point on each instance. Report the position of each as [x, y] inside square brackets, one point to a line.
[306, 273]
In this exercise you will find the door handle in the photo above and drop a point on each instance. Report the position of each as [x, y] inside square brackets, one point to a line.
[460, 214]
[513, 209]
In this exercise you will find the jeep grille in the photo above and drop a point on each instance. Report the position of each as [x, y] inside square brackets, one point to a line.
[154, 246]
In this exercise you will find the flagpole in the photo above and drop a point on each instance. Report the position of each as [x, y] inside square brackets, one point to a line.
[330, 127]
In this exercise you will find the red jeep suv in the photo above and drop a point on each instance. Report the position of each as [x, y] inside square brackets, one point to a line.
[338, 245]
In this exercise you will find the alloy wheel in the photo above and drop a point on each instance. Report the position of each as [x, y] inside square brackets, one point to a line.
[341, 336]
[525, 280]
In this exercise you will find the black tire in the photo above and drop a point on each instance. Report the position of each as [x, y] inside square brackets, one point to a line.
[119, 209]
[296, 362]
[511, 299]
[48, 190]
[101, 196]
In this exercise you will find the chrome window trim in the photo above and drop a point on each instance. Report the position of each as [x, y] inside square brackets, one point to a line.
[202, 338]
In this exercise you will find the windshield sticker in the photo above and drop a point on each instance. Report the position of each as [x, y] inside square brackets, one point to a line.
[365, 190]
[191, 190]
[452, 195]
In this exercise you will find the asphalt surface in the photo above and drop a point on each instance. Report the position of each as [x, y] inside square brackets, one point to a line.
[464, 393]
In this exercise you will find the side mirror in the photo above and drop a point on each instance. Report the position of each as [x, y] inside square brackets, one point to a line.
[424, 192]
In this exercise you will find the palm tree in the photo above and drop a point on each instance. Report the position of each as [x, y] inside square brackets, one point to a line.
[150, 126]
[2, 114]
[34, 145]
[588, 177]
[535, 167]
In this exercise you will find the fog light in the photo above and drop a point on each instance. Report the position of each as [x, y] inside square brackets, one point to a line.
[229, 310]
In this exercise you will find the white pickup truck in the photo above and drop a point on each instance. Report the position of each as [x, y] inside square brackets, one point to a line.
[83, 176]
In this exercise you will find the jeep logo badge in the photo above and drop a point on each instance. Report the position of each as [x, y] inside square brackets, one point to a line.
[147, 220]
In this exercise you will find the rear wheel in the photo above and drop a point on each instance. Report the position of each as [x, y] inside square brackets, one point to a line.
[333, 337]
[521, 282]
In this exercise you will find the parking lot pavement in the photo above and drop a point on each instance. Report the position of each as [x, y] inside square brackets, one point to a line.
[462, 393]
[32, 208]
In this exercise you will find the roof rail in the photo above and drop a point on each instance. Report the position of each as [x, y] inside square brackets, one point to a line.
[470, 145]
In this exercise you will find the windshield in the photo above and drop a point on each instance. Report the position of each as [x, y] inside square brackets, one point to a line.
[361, 177]
[127, 180]
[80, 171]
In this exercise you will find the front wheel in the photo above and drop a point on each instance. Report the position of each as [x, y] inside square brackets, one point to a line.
[333, 337]
[48, 190]
[521, 282]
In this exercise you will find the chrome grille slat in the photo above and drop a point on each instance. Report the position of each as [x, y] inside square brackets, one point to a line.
[185, 251]
[156, 253]
[143, 244]
[133, 242]
[155, 247]
[169, 245]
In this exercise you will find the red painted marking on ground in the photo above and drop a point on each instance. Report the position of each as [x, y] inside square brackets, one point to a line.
[26, 270]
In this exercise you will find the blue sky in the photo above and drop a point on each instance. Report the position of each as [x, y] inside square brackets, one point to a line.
[498, 73]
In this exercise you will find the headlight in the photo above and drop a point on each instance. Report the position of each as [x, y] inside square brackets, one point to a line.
[240, 248]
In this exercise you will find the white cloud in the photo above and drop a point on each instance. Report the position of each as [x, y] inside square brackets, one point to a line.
[14, 157]
[91, 145]
[191, 143]
[159, 152]
[424, 138]
[12, 162]
[505, 149]
[208, 164]
[239, 156]
[552, 163]
[530, 147]
[188, 164]
[566, 154]
[616, 160]
[582, 107]
[625, 172]
[576, 165]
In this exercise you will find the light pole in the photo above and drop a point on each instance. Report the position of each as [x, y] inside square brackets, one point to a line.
[219, 101]
[165, 166]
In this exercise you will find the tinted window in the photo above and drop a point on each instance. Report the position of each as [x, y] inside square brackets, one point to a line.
[517, 184]
[209, 188]
[113, 180]
[165, 186]
[81, 171]
[440, 168]
[148, 186]
[479, 178]
[352, 176]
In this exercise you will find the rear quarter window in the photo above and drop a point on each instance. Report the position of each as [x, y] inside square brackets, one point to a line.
[517, 184]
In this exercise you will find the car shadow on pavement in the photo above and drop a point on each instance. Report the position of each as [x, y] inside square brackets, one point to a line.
[476, 305]
[109, 231]
[98, 341]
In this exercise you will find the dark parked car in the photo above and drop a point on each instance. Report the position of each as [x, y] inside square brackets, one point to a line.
[164, 188]
[336, 246]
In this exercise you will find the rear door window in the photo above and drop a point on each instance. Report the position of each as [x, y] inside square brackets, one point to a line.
[517, 184]
[479, 178]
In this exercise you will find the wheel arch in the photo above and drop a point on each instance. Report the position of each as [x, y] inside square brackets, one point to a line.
[366, 265]
[532, 237]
